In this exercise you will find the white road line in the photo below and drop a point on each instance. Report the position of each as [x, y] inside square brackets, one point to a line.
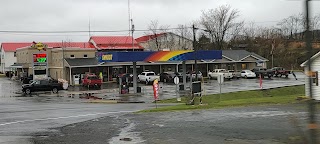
[65, 117]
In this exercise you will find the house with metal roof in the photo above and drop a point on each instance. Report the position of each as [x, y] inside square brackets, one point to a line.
[119, 43]
[8, 54]
[315, 68]
[164, 41]
[104, 43]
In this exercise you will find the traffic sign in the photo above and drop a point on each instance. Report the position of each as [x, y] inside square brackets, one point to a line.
[220, 78]
[176, 80]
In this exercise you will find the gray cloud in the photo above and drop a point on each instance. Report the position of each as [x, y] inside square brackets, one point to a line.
[45, 15]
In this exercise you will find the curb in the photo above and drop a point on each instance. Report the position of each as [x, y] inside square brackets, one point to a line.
[113, 101]
[103, 101]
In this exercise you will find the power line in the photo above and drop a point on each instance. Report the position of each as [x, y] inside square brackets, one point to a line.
[85, 31]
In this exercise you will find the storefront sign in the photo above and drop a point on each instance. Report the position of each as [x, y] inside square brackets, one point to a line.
[154, 56]
[39, 46]
[107, 57]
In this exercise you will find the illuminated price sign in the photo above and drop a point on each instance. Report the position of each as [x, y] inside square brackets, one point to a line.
[40, 58]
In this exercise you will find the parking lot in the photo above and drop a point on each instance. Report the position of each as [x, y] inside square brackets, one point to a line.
[168, 90]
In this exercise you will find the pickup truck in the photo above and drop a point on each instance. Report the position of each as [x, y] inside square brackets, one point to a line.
[217, 72]
[235, 74]
[193, 75]
[280, 71]
[147, 77]
[42, 85]
[263, 72]
[91, 80]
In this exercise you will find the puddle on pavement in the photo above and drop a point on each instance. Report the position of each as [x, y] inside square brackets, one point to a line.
[127, 135]
[15, 139]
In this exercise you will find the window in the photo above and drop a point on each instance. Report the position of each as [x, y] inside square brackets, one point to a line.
[244, 66]
[314, 76]
[15, 54]
[40, 72]
[44, 82]
[150, 74]
[85, 56]
[72, 56]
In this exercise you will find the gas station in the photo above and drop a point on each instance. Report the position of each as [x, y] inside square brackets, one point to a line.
[159, 56]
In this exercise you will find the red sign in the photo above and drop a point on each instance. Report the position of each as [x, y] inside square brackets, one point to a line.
[156, 89]
[40, 58]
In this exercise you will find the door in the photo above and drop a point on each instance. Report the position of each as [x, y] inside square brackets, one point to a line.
[44, 84]
[37, 86]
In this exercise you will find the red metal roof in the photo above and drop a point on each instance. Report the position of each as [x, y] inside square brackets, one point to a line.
[119, 46]
[115, 42]
[12, 46]
[148, 37]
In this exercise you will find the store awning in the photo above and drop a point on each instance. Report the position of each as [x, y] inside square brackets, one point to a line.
[17, 65]
[82, 62]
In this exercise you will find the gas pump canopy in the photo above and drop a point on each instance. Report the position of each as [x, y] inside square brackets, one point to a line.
[154, 56]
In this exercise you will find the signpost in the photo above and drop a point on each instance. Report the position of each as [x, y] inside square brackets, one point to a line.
[40, 65]
[220, 81]
[176, 81]
[155, 91]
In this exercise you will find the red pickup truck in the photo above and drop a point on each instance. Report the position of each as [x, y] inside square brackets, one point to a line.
[280, 71]
[91, 80]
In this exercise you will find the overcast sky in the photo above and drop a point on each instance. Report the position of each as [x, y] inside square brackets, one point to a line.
[60, 15]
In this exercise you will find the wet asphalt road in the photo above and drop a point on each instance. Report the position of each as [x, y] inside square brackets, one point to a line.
[20, 117]
[25, 117]
[210, 87]
[272, 124]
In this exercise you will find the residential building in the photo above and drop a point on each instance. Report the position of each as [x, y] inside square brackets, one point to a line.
[164, 41]
[118, 43]
[315, 69]
[8, 55]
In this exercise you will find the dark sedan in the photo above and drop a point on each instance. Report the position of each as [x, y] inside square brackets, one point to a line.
[168, 76]
[124, 77]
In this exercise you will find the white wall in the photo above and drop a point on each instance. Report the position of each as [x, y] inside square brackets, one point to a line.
[315, 89]
[7, 60]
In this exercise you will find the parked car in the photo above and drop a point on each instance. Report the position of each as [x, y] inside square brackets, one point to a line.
[180, 75]
[91, 80]
[263, 72]
[147, 77]
[247, 74]
[193, 75]
[217, 72]
[168, 76]
[124, 77]
[280, 71]
[42, 85]
[235, 74]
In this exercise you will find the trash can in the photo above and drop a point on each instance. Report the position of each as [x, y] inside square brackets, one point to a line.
[138, 89]
[124, 88]
[181, 87]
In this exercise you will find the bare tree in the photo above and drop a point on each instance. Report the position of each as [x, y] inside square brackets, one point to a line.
[157, 29]
[291, 25]
[185, 34]
[220, 22]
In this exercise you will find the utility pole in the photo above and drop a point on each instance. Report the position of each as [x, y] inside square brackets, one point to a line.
[195, 52]
[132, 30]
[312, 107]
[63, 68]
[272, 53]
